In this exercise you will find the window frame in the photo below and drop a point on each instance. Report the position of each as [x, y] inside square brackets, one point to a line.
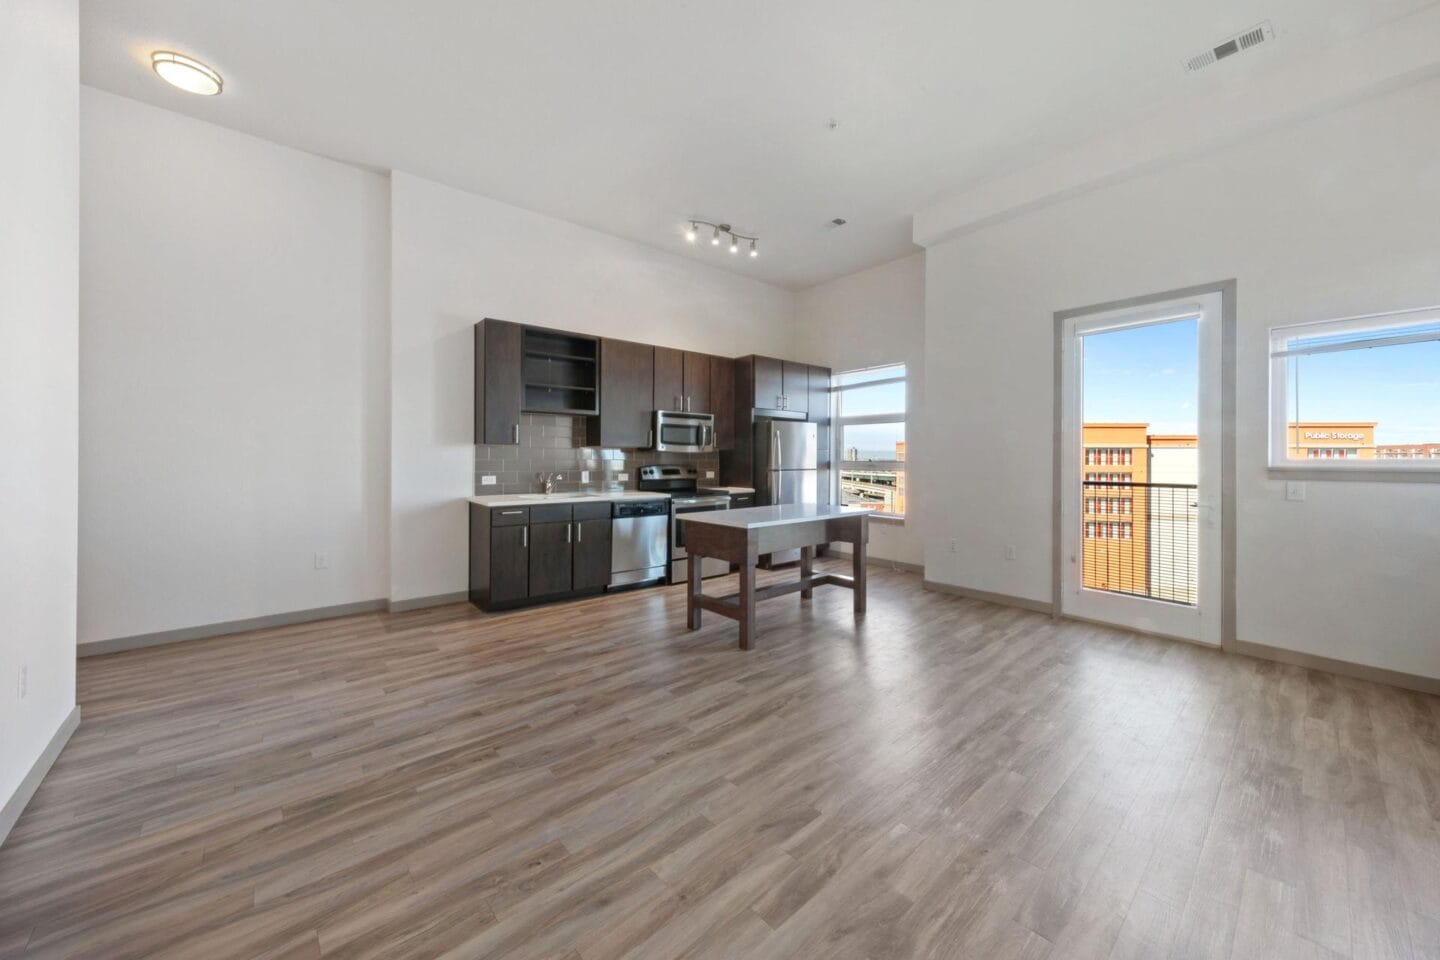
[838, 423]
[1279, 464]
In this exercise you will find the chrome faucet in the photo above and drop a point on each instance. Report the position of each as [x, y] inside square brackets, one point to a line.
[548, 480]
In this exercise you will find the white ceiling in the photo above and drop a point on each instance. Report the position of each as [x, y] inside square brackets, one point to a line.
[631, 115]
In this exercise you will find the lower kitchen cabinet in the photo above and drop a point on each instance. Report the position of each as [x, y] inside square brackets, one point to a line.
[551, 558]
[509, 563]
[592, 552]
[538, 553]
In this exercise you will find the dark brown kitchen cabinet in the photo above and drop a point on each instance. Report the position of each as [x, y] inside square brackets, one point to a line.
[722, 401]
[551, 558]
[697, 383]
[498, 390]
[592, 551]
[627, 395]
[669, 379]
[769, 383]
[795, 386]
[682, 380]
[509, 564]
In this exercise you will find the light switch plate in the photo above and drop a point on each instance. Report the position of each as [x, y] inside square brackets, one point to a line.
[487, 480]
[1295, 490]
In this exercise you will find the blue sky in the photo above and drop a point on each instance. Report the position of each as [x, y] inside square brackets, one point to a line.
[1149, 374]
[1144, 375]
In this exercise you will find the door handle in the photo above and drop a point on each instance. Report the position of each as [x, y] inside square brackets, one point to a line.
[567, 532]
[525, 538]
[516, 429]
[579, 533]
[650, 438]
[779, 464]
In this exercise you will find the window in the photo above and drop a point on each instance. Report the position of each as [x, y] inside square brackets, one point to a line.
[869, 430]
[1361, 393]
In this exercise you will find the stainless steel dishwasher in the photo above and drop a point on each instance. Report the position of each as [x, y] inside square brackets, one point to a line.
[639, 542]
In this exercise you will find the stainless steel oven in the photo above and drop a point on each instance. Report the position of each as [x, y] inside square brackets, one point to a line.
[684, 432]
[679, 558]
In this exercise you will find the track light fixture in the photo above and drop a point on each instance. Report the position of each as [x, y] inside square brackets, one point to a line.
[692, 232]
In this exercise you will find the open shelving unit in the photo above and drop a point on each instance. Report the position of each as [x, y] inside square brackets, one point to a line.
[560, 373]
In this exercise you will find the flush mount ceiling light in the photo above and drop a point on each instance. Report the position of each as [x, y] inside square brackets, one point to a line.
[187, 73]
[692, 233]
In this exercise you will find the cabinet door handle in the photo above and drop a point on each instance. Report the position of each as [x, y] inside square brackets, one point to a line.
[510, 513]
[525, 538]
[517, 432]
[650, 438]
[579, 533]
[568, 531]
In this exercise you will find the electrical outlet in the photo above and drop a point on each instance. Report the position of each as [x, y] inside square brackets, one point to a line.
[622, 477]
[709, 474]
[1295, 490]
[1010, 552]
[954, 546]
[487, 480]
[584, 476]
[24, 684]
[322, 561]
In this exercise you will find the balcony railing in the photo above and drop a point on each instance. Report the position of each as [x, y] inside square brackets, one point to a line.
[1141, 539]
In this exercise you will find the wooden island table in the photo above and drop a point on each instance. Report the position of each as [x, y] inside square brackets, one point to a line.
[743, 536]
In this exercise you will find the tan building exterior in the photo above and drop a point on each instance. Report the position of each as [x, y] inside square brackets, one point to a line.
[1116, 548]
[1335, 440]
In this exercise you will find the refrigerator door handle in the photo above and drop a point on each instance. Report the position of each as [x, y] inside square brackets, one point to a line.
[778, 464]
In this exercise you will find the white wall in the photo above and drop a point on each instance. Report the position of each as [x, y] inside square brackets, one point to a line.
[233, 375]
[866, 319]
[1332, 217]
[457, 258]
[39, 210]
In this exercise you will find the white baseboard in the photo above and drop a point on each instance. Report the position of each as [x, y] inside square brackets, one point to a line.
[13, 807]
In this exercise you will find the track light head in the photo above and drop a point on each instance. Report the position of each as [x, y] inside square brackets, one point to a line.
[690, 233]
[734, 244]
[753, 251]
[715, 238]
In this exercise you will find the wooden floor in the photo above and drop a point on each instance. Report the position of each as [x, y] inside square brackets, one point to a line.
[589, 781]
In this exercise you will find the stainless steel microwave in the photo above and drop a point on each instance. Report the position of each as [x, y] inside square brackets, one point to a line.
[684, 432]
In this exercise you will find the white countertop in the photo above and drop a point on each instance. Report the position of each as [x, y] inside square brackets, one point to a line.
[537, 499]
[750, 518]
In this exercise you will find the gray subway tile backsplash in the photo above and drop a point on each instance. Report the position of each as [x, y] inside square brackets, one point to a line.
[551, 443]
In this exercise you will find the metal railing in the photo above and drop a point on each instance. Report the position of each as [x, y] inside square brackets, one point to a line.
[1141, 539]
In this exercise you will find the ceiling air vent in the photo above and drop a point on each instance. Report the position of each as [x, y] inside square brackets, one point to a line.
[1228, 48]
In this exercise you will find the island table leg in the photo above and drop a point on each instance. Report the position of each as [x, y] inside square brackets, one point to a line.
[858, 559]
[692, 590]
[747, 603]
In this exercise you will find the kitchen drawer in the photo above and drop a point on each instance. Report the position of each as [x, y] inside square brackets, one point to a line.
[739, 501]
[550, 513]
[509, 516]
[592, 511]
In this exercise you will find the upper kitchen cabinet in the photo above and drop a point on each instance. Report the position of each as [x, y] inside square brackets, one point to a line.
[767, 383]
[669, 379]
[521, 369]
[774, 387]
[722, 401]
[627, 395]
[682, 381]
[498, 389]
[697, 383]
[561, 372]
[795, 386]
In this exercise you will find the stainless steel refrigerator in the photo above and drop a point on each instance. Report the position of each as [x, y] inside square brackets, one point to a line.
[787, 468]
